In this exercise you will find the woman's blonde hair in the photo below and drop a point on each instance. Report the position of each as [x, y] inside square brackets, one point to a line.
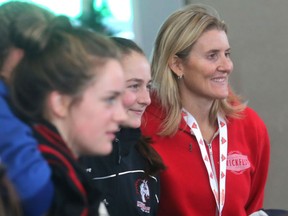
[177, 36]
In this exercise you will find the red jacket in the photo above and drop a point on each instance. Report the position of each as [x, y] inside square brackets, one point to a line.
[185, 188]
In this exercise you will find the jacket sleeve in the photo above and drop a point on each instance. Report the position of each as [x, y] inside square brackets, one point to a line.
[260, 175]
[26, 168]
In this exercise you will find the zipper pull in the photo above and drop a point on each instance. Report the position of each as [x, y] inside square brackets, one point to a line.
[210, 148]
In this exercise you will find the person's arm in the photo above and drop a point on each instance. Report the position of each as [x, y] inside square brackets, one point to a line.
[26, 168]
[260, 175]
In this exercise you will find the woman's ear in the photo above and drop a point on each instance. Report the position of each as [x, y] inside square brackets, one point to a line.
[58, 104]
[175, 64]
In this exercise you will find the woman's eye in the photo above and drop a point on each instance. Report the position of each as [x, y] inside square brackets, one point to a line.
[149, 86]
[228, 54]
[212, 56]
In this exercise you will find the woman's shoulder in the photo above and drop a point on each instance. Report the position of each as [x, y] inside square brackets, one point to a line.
[152, 119]
[249, 118]
[155, 111]
[252, 115]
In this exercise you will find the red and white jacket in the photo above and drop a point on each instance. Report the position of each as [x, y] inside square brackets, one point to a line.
[185, 188]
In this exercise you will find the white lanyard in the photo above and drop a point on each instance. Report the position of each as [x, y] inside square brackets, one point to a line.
[223, 143]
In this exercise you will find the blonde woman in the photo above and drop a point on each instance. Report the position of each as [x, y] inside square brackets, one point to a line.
[215, 148]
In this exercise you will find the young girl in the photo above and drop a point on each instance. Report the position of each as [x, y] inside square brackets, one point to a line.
[128, 177]
[69, 84]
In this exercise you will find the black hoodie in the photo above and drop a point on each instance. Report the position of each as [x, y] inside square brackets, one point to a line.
[121, 177]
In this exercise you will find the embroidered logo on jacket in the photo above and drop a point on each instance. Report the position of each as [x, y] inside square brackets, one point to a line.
[143, 192]
[237, 162]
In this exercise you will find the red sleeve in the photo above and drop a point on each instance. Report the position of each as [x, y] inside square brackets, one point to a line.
[261, 166]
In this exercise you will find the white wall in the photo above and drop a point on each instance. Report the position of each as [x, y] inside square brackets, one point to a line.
[148, 17]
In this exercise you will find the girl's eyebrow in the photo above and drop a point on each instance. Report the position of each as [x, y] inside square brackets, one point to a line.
[114, 92]
[134, 79]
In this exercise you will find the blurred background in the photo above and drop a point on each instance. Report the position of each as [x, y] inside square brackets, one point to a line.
[258, 33]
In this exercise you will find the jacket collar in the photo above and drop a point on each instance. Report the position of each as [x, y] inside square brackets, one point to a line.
[126, 139]
[159, 112]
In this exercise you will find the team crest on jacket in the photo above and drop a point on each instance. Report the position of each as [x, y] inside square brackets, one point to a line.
[237, 162]
[143, 192]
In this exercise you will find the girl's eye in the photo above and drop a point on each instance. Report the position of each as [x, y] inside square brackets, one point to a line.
[110, 100]
[134, 86]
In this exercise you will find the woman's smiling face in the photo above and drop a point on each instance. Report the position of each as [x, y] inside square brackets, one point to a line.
[208, 66]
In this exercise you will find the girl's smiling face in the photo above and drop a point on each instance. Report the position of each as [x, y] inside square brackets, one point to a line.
[138, 83]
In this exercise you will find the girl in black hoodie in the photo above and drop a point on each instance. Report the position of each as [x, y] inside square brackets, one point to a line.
[128, 177]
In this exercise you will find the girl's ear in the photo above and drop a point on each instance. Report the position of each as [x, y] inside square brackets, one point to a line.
[12, 60]
[175, 64]
[58, 104]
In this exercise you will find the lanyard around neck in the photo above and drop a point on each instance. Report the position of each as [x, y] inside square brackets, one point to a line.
[219, 192]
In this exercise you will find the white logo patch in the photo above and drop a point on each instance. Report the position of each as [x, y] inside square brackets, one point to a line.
[142, 189]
